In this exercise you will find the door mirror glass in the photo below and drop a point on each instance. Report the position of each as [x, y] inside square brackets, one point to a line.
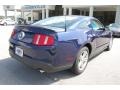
[103, 29]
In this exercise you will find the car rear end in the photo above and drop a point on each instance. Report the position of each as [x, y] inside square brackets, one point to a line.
[44, 46]
[33, 46]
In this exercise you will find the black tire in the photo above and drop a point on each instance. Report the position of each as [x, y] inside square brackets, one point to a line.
[109, 47]
[76, 69]
[5, 24]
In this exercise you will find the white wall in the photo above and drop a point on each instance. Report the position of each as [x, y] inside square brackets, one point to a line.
[117, 19]
[36, 15]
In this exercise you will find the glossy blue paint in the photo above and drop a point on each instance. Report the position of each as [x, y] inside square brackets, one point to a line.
[62, 54]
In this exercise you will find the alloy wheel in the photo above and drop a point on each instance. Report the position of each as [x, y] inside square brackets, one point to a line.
[83, 59]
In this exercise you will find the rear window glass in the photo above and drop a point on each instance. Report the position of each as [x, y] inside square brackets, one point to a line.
[59, 22]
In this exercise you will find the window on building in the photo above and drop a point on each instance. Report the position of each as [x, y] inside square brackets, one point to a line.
[29, 18]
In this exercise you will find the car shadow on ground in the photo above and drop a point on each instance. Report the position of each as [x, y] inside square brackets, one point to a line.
[13, 72]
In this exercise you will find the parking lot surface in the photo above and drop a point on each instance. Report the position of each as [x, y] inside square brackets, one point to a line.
[103, 69]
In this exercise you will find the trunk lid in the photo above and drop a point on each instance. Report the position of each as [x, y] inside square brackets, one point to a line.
[26, 33]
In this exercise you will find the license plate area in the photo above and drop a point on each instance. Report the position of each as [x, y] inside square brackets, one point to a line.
[19, 51]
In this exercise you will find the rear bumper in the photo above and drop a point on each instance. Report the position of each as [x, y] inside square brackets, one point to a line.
[47, 67]
[47, 58]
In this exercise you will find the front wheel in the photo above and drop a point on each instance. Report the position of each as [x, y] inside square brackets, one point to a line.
[81, 61]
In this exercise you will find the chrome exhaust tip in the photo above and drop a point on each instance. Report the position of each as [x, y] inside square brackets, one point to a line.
[41, 71]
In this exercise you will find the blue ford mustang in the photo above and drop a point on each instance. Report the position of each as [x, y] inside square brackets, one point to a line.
[59, 43]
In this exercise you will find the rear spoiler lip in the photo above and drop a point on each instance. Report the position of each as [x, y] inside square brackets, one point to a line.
[53, 29]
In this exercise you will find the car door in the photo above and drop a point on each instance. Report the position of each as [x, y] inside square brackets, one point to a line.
[100, 34]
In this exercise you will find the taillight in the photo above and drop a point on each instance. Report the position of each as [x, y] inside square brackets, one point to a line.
[43, 40]
[13, 33]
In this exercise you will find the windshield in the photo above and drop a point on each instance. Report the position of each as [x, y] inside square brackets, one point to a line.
[58, 22]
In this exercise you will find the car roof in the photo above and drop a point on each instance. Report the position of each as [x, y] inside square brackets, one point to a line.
[77, 16]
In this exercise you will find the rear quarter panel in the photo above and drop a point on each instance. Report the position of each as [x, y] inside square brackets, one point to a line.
[69, 43]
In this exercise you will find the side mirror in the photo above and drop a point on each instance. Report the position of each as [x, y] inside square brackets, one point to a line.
[103, 29]
[107, 27]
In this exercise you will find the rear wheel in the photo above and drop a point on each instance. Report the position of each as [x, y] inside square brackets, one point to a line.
[81, 61]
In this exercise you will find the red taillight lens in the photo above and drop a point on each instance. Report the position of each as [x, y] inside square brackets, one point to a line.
[43, 40]
[13, 33]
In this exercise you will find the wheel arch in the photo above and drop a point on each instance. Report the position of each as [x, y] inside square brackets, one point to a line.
[89, 46]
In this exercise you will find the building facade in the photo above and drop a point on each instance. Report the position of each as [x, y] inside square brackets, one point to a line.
[105, 13]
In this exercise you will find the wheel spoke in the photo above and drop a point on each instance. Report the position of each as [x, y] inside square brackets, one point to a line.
[83, 60]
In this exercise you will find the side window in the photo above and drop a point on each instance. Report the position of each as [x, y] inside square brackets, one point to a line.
[96, 25]
[83, 25]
